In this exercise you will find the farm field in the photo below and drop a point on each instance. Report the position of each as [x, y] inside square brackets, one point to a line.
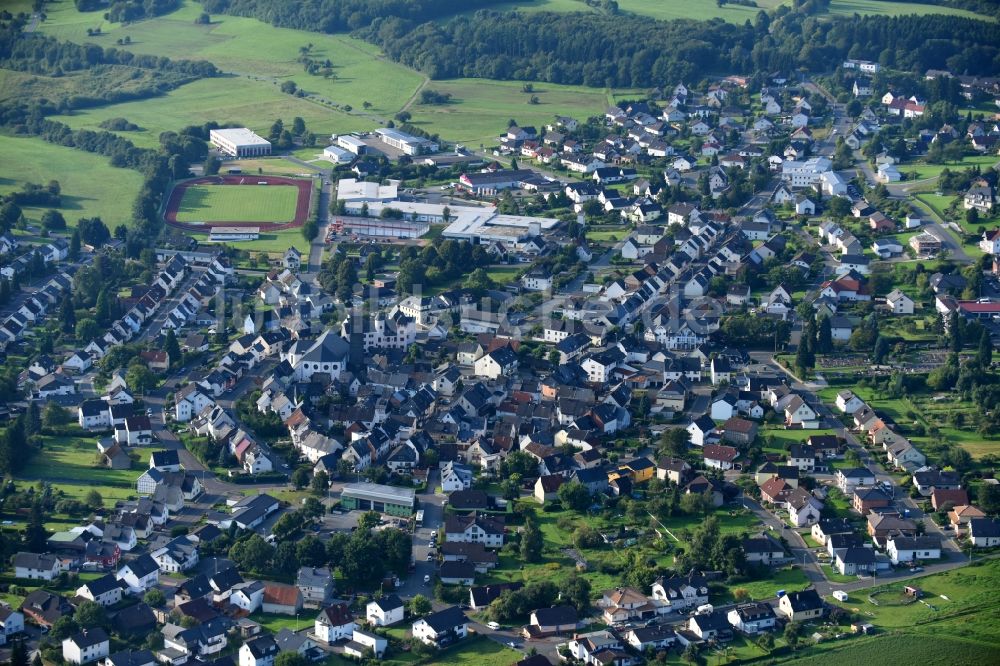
[238, 203]
[90, 185]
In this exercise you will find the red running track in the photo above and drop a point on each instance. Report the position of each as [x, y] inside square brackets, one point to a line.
[301, 203]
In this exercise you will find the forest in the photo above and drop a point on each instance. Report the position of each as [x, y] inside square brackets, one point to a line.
[621, 51]
[611, 49]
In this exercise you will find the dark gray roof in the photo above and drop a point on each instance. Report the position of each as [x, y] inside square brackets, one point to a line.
[446, 619]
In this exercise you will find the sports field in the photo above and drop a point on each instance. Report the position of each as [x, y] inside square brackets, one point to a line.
[244, 203]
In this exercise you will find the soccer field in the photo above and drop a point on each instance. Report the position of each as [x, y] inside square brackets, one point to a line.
[238, 203]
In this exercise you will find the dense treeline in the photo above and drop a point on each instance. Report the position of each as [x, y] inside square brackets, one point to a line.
[340, 15]
[601, 50]
[125, 11]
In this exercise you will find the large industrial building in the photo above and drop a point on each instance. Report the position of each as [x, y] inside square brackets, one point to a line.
[352, 191]
[365, 202]
[376, 497]
[380, 228]
[406, 143]
[239, 142]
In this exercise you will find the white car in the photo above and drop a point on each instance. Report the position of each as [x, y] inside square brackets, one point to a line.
[427, 578]
[493, 625]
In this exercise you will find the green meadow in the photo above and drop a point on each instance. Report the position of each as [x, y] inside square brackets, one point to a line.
[984, 162]
[238, 203]
[90, 185]
[480, 109]
[245, 46]
[230, 99]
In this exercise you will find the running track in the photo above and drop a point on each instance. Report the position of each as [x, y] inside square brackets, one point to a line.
[301, 204]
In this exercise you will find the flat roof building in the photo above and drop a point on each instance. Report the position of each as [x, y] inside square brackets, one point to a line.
[219, 234]
[338, 154]
[239, 142]
[375, 227]
[352, 190]
[507, 229]
[352, 143]
[407, 143]
[376, 497]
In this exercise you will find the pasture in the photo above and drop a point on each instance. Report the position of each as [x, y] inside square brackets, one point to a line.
[238, 203]
[90, 185]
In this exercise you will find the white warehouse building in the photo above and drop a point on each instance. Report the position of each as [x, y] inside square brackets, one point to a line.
[407, 143]
[239, 142]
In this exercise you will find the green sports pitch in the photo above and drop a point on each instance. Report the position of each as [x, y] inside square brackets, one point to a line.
[244, 203]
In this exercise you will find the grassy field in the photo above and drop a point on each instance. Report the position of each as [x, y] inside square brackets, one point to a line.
[231, 99]
[238, 203]
[70, 465]
[259, 57]
[247, 46]
[790, 580]
[954, 625]
[888, 8]
[985, 162]
[503, 274]
[275, 166]
[902, 648]
[90, 185]
[274, 242]
[709, 9]
[480, 108]
[701, 10]
[275, 623]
